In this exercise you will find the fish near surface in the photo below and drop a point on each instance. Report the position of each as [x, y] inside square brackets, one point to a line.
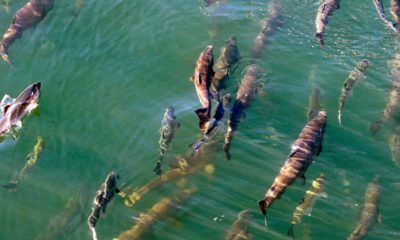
[313, 103]
[381, 12]
[394, 143]
[308, 201]
[26, 17]
[240, 228]
[169, 126]
[325, 10]
[370, 212]
[201, 78]
[250, 85]
[349, 83]
[395, 11]
[308, 144]
[14, 112]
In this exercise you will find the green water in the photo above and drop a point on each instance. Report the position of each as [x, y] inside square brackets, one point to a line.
[109, 73]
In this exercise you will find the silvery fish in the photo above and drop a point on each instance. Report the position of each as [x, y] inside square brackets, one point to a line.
[324, 11]
[240, 228]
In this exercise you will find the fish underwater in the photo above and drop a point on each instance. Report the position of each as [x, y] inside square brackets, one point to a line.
[381, 12]
[370, 212]
[32, 159]
[240, 228]
[14, 111]
[394, 143]
[313, 103]
[169, 126]
[308, 201]
[325, 10]
[349, 83]
[395, 11]
[300, 158]
[159, 211]
[26, 17]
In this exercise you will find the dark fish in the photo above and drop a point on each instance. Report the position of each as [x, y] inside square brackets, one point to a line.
[300, 158]
[32, 159]
[313, 103]
[169, 126]
[370, 213]
[102, 198]
[160, 210]
[308, 201]
[395, 11]
[249, 86]
[202, 76]
[26, 17]
[209, 2]
[240, 228]
[381, 12]
[350, 82]
[14, 112]
[228, 58]
[324, 11]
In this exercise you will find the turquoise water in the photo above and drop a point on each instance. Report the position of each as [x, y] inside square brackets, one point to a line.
[109, 73]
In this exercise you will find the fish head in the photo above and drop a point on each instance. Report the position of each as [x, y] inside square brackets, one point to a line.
[208, 51]
[245, 215]
[363, 64]
[30, 95]
[169, 111]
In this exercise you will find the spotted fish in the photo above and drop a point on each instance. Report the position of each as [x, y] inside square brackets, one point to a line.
[325, 10]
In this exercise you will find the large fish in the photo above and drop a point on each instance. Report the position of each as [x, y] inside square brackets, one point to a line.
[300, 158]
[308, 201]
[202, 76]
[240, 228]
[349, 83]
[394, 143]
[395, 11]
[370, 212]
[102, 198]
[250, 85]
[169, 126]
[313, 103]
[26, 17]
[15, 111]
[160, 210]
[31, 160]
[228, 58]
[381, 12]
[324, 11]
[269, 27]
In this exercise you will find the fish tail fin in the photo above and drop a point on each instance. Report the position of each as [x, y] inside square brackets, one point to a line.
[320, 39]
[291, 231]
[340, 116]
[94, 234]
[228, 139]
[204, 116]
[263, 207]
[4, 54]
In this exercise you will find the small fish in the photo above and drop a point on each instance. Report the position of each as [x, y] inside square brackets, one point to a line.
[308, 201]
[350, 82]
[300, 158]
[14, 112]
[370, 213]
[395, 11]
[210, 2]
[250, 85]
[201, 78]
[102, 198]
[159, 211]
[381, 12]
[26, 17]
[32, 159]
[324, 11]
[6, 5]
[78, 7]
[169, 126]
[240, 228]
[313, 103]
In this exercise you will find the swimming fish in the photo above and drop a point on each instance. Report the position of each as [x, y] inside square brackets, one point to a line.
[17, 109]
[269, 27]
[169, 126]
[77, 7]
[240, 228]
[201, 78]
[6, 5]
[250, 85]
[395, 11]
[159, 211]
[102, 198]
[229, 56]
[313, 103]
[26, 17]
[350, 82]
[32, 159]
[370, 212]
[394, 143]
[381, 12]
[324, 11]
[308, 201]
[300, 158]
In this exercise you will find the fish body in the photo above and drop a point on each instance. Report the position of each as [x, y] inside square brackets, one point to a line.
[381, 12]
[394, 143]
[162, 209]
[325, 10]
[201, 78]
[14, 112]
[370, 212]
[349, 83]
[308, 144]
[240, 228]
[26, 17]
[313, 103]
[395, 11]
[308, 201]
[250, 85]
